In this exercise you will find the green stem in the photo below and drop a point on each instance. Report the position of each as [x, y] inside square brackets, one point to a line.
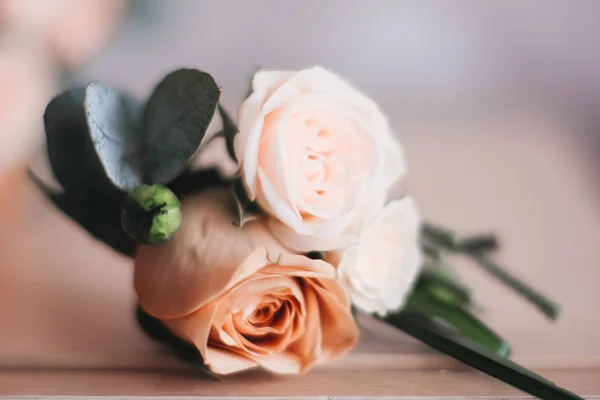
[544, 304]
[479, 243]
[432, 333]
[440, 236]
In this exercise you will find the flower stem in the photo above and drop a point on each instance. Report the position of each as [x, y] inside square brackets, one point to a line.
[440, 236]
[544, 304]
[429, 331]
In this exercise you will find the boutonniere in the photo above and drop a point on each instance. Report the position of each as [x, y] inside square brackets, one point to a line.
[267, 268]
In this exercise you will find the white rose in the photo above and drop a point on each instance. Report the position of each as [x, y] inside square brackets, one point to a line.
[380, 270]
[317, 155]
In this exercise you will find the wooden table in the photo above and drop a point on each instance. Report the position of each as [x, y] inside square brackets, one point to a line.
[66, 303]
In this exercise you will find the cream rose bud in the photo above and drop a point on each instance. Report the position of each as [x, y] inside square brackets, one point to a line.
[381, 268]
[239, 297]
[316, 154]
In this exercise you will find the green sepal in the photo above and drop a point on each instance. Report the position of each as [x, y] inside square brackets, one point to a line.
[183, 350]
[151, 214]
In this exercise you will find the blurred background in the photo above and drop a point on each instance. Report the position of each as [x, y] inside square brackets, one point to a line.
[496, 103]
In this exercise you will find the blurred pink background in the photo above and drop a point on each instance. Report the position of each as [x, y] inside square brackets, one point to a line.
[494, 102]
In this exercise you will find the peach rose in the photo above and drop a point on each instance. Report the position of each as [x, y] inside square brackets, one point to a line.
[239, 297]
[316, 154]
[380, 270]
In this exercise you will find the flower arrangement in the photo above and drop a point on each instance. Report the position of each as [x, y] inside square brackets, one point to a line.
[267, 268]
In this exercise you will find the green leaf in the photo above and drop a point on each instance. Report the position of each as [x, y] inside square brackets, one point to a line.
[440, 280]
[428, 298]
[437, 240]
[71, 152]
[436, 335]
[175, 121]
[113, 126]
[185, 351]
[229, 131]
[101, 219]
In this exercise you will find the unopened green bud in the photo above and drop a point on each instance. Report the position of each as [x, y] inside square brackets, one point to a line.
[151, 214]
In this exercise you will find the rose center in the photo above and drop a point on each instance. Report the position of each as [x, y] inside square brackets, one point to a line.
[265, 314]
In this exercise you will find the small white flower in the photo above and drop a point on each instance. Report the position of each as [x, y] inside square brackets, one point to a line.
[379, 270]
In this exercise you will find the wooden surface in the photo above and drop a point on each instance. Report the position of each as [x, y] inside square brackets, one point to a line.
[408, 384]
[66, 303]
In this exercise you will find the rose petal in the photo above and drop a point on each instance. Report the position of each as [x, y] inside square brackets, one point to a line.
[339, 333]
[306, 243]
[381, 269]
[194, 327]
[208, 255]
[221, 361]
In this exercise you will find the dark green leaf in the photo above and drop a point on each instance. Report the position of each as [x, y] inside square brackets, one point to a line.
[185, 351]
[229, 131]
[436, 335]
[71, 152]
[437, 302]
[101, 219]
[113, 126]
[175, 121]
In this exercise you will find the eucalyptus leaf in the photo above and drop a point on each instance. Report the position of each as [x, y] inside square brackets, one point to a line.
[71, 152]
[113, 126]
[101, 219]
[185, 351]
[436, 335]
[175, 121]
